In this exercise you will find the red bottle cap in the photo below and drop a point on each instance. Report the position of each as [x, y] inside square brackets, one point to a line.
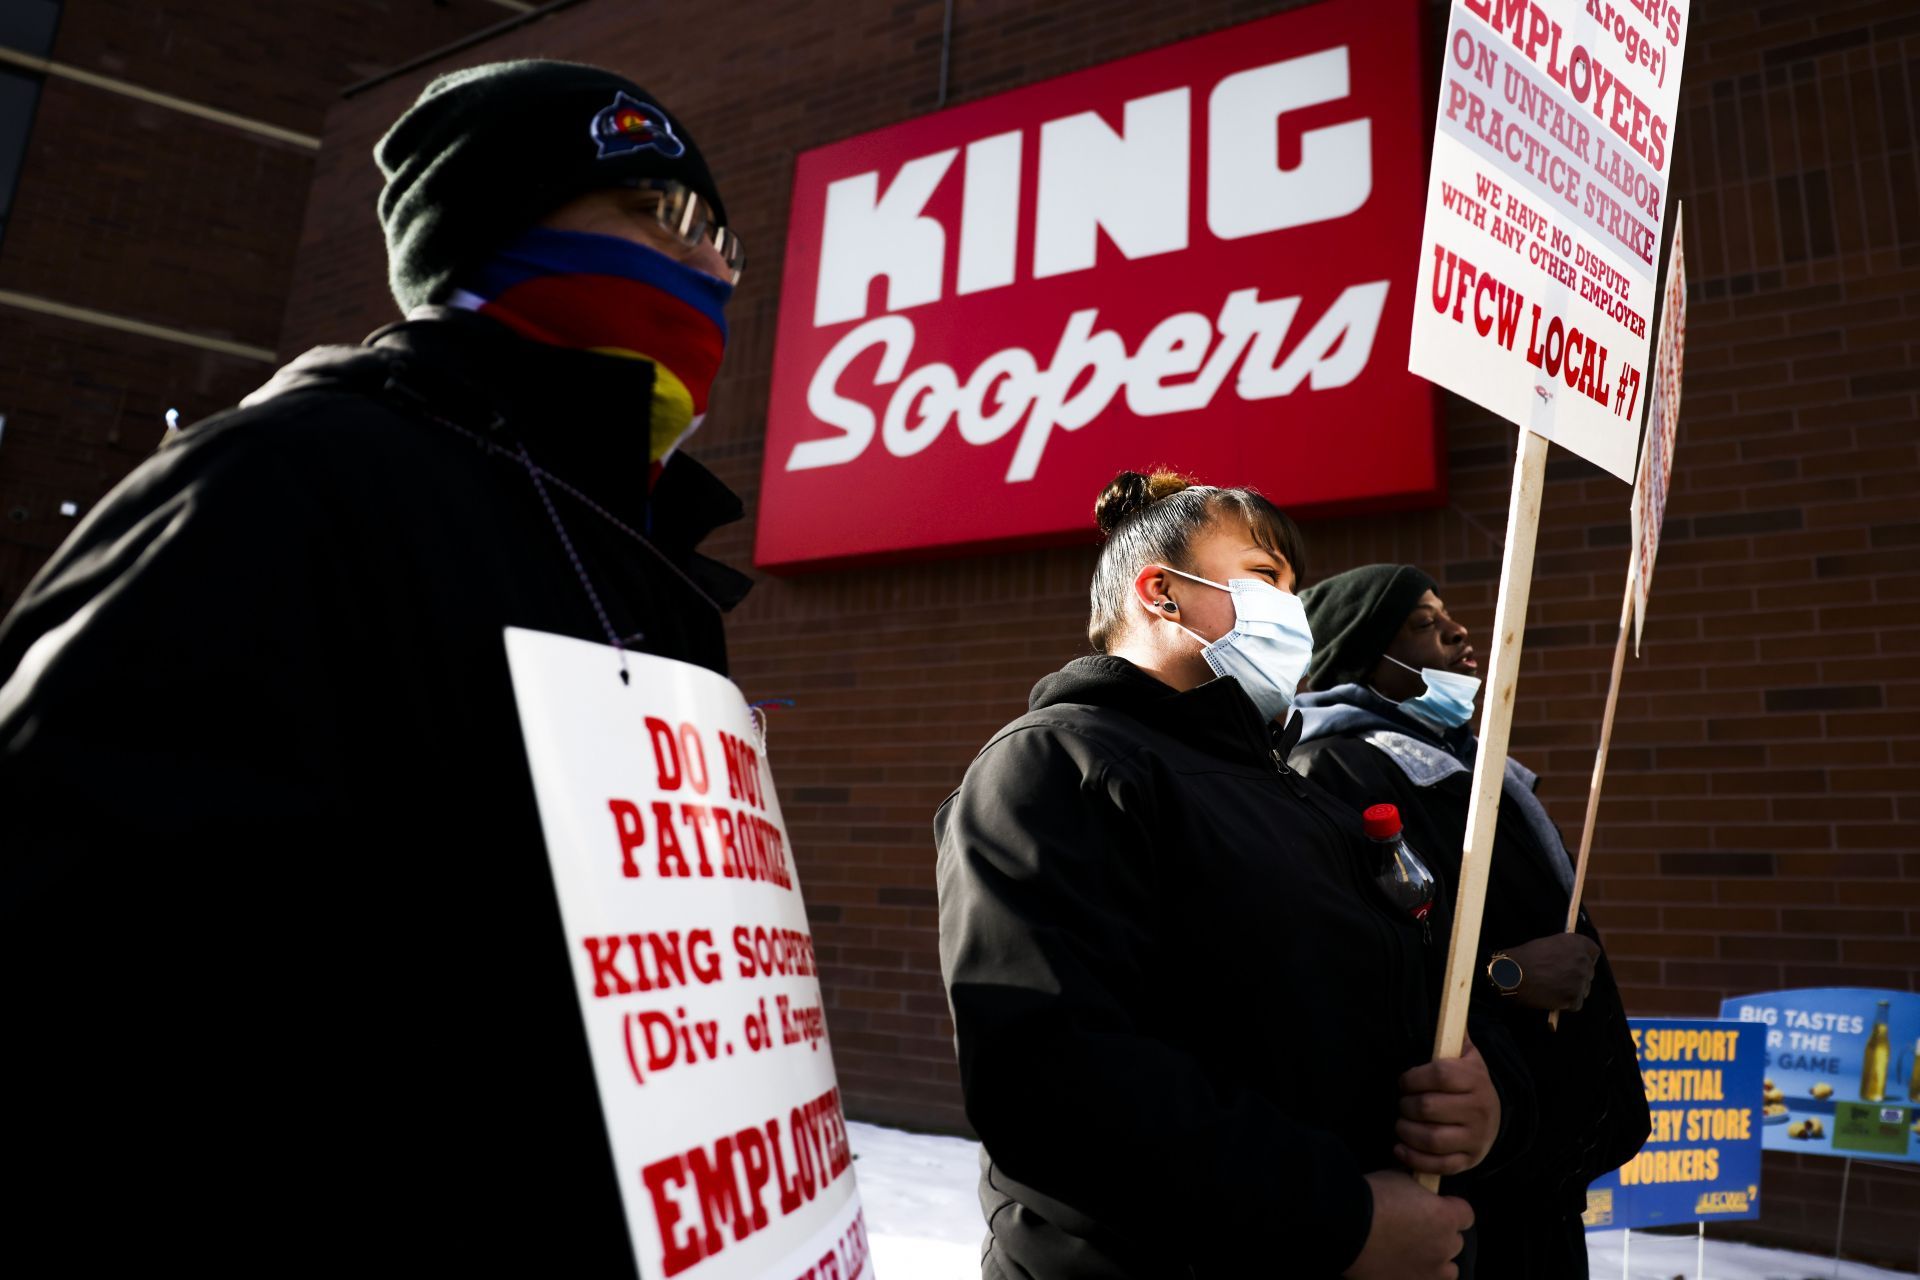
[1382, 821]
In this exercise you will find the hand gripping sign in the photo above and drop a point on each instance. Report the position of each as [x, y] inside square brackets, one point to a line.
[693, 964]
[1546, 200]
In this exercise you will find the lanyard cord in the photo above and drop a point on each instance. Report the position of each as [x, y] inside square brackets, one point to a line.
[541, 478]
[613, 637]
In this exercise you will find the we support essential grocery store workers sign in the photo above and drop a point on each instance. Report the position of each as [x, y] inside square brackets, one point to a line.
[1195, 256]
[1546, 199]
[693, 964]
[1841, 1073]
[1701, 1162]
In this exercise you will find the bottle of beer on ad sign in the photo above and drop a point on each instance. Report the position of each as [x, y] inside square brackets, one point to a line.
[1873, 1073]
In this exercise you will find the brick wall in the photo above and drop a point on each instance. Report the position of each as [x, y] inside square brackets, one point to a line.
[282, 64]
[1757, 831]
[154, 215]
[84, 405]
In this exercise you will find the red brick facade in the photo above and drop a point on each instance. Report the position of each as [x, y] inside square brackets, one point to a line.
[155, 215]
[1758, 830]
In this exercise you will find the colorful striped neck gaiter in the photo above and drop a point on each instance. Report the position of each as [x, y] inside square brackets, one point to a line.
[613, 296]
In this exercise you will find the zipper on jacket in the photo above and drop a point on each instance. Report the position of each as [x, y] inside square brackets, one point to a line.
[1287, 775]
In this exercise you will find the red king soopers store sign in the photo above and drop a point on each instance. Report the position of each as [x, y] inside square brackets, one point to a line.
[1200, 257]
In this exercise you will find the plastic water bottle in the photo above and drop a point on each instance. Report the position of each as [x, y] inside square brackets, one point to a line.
[1398, 870]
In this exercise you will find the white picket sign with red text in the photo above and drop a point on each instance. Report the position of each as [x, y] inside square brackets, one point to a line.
[1552, 158]
[693, 963]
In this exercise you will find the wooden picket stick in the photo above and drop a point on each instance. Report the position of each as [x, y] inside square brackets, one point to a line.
[1490, 768]
[1599, 771]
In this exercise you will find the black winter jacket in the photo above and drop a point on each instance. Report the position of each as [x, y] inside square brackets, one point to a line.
[285, 981]
[1181, 1007]
[1586, 1077]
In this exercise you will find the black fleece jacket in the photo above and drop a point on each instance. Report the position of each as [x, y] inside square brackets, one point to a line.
[1180, 1004]
[285, 981]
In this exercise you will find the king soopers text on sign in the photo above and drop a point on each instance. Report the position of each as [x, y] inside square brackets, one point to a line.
[967, 294]
[1090, 180]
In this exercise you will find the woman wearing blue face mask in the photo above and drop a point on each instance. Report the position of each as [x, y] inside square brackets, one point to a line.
[1395, 679]
[1192, 1033]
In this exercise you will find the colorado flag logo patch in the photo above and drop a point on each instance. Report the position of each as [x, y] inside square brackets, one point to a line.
[627, 125]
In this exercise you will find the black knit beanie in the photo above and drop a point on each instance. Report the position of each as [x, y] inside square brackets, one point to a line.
[488, 151]
[1355, 615]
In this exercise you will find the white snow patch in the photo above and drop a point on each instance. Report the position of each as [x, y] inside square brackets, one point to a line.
[1653, 1257]
[923, 1220]
[923, 1212]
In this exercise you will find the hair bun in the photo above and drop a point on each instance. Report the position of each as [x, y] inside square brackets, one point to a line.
[1131, 492]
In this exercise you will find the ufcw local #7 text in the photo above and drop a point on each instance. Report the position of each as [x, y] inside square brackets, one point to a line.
[1606, 168]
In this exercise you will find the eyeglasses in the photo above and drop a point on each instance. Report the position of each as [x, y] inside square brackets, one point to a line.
[683, 214]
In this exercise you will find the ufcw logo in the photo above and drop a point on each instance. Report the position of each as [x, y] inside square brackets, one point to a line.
[1726, 1201]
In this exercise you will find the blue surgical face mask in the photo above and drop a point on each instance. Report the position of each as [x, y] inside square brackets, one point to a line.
[1448, 701]
[1270, 645]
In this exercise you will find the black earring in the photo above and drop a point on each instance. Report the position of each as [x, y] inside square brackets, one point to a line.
[1169, 606]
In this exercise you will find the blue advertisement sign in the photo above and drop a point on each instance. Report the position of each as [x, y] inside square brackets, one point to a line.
[1701, 1162]
[1842, 1076]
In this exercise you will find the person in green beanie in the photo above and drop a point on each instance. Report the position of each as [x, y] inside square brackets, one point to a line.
[288, 987]
[1393, 681]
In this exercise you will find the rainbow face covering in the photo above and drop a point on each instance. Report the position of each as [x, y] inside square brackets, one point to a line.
[612, 296]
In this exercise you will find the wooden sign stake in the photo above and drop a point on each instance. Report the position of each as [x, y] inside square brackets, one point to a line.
[1599, 772]
[1490, 767]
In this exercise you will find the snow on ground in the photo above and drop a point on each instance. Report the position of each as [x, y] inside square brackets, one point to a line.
[923, 1220]
[1674, 1257]
[923, 1214]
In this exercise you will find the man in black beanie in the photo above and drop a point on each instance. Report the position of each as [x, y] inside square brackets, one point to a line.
[1394, 684]
[287, 987]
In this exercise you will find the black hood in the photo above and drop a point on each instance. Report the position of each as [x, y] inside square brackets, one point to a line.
[1217, 716]
[1100, 680]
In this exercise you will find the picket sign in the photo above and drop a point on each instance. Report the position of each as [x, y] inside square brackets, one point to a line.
[1649, 509]
[693, 965]
[1538, 275]
[1496, 718]
[1599, 769]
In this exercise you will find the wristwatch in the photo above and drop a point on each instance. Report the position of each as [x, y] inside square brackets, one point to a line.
[1505, 973]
